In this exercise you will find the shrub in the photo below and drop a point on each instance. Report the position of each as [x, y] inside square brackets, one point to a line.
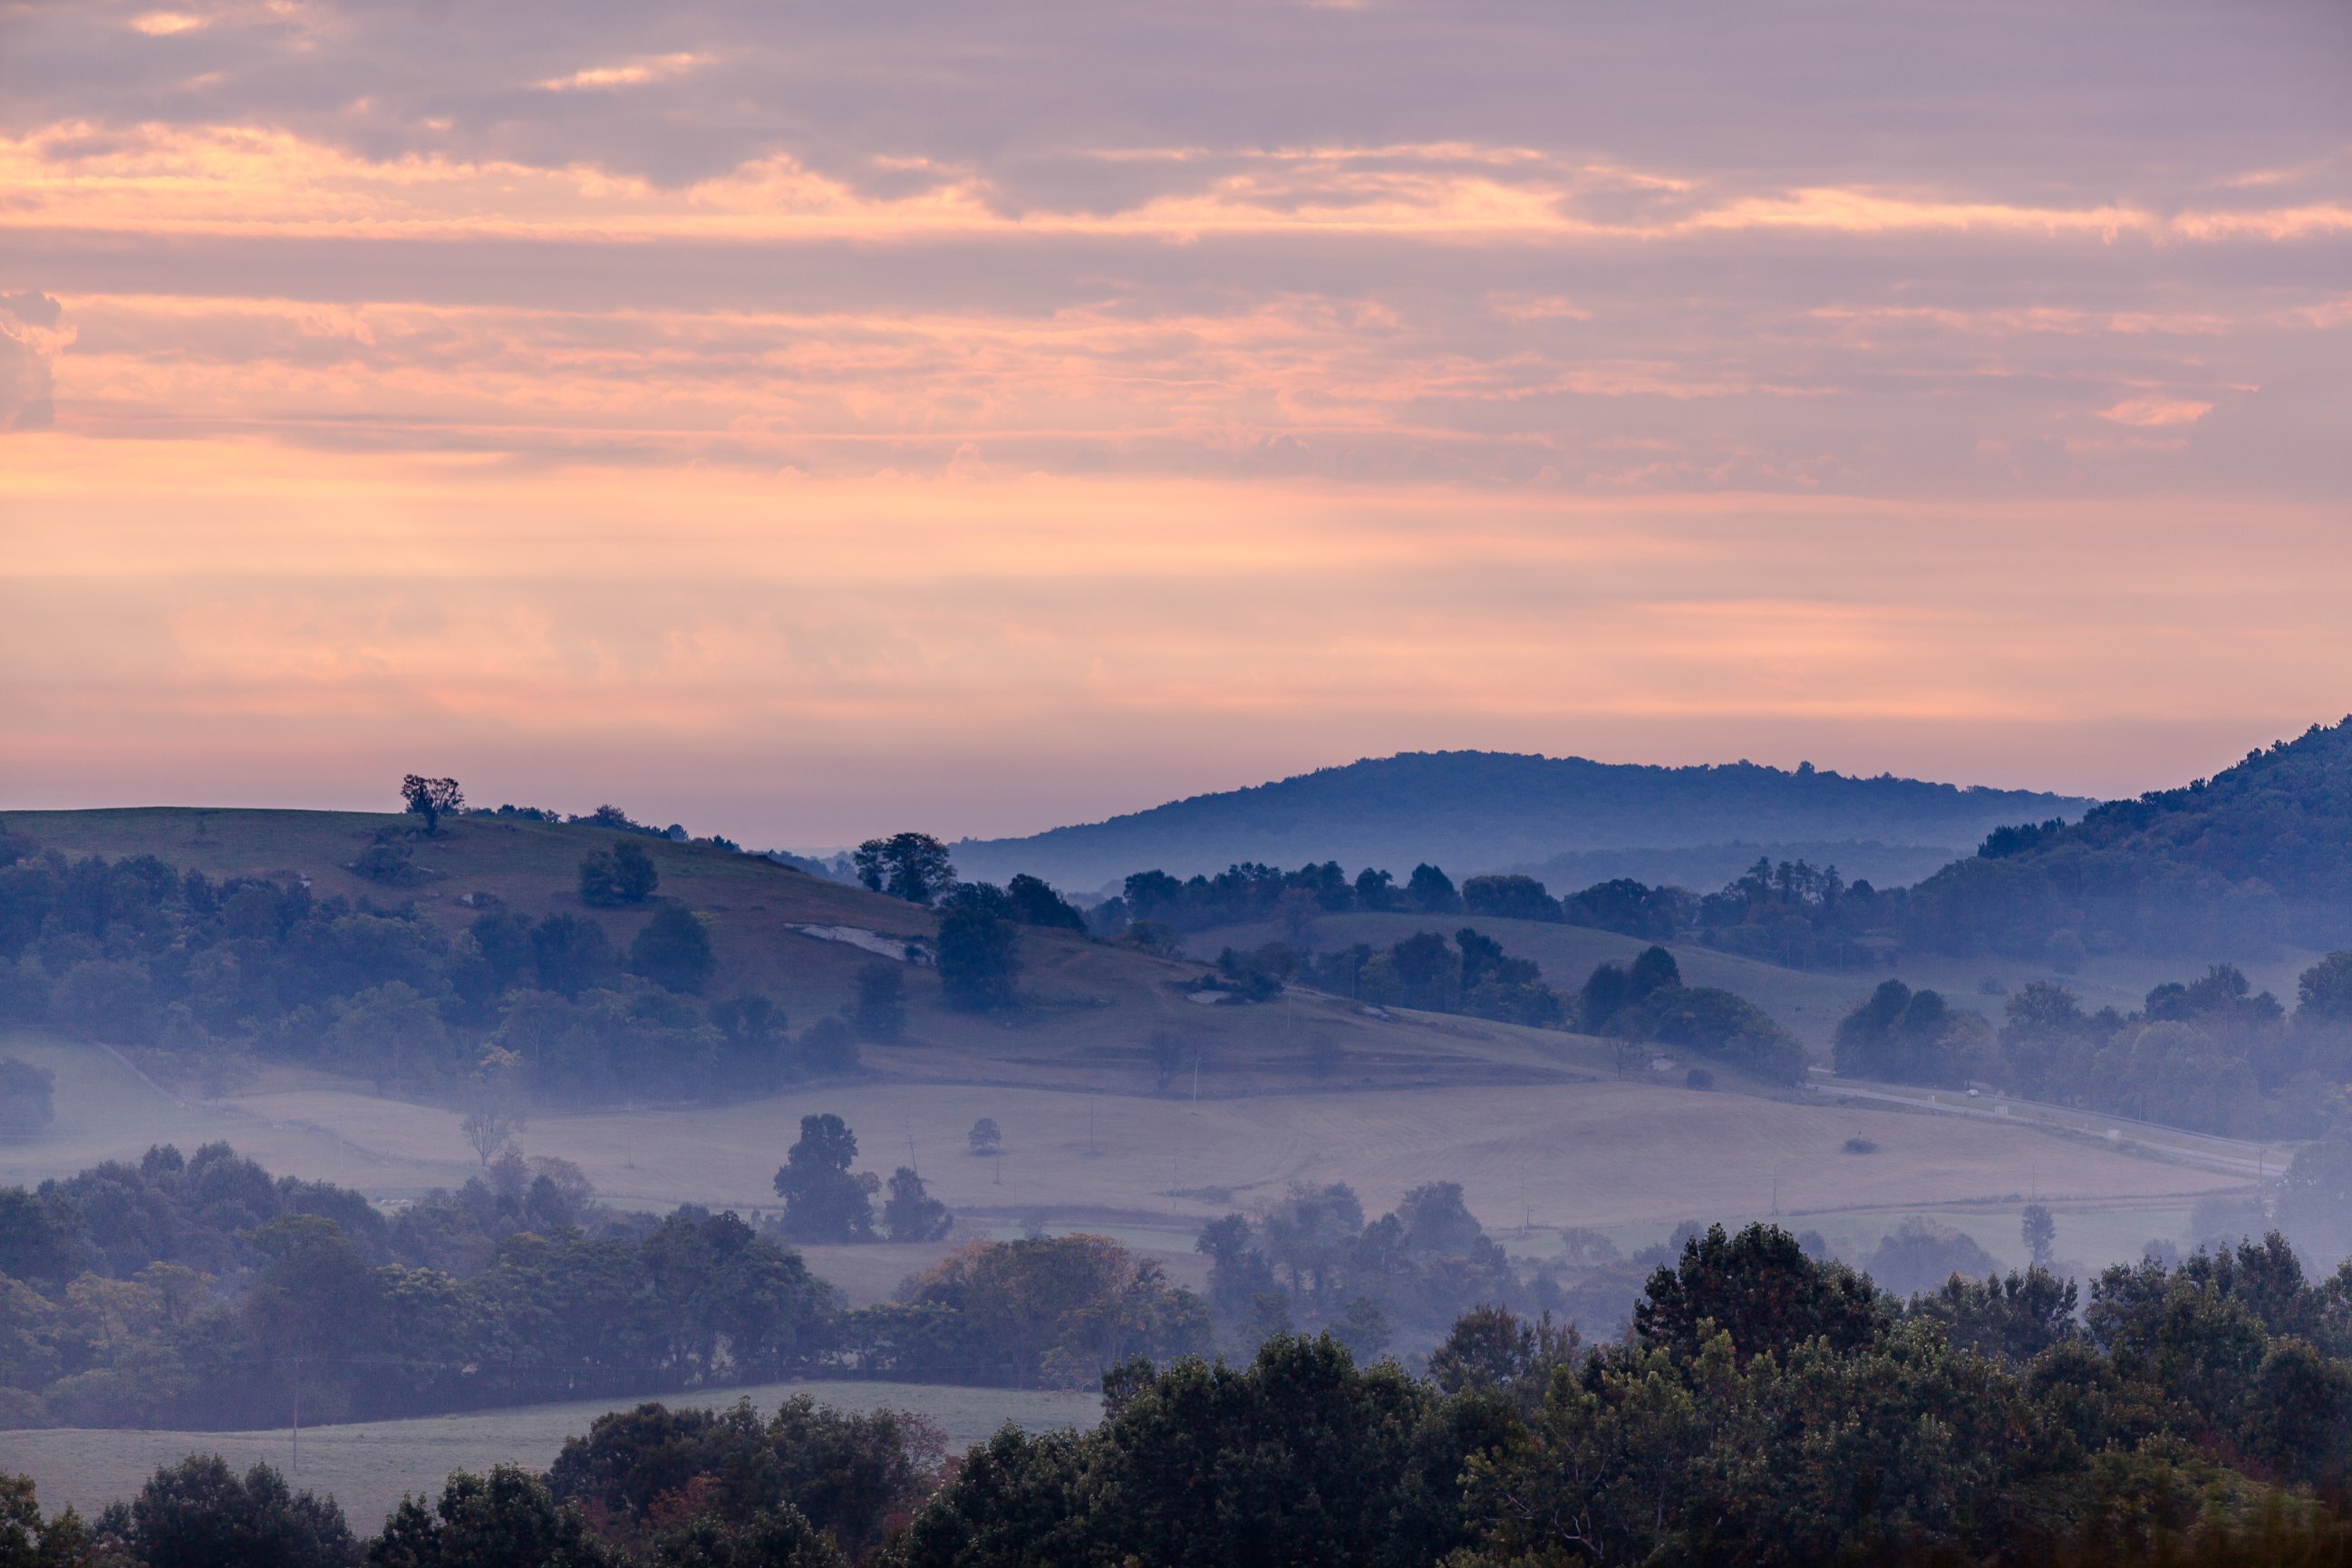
[673, 951]
[623, 874]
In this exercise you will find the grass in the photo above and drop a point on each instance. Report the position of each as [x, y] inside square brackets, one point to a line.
[367, 1467]
[1151, 1168]
[1094, 1010]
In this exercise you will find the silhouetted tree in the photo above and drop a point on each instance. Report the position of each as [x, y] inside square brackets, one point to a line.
[672, 950]
[823, 1201]
[199, 1513]
[29, 1541]
[432, 799]
[979, 967]
[879, 1014]
[1431, 891]
[1034, 903]
[2038, 1231]
[570, 953]
[910, 865]
[624, 874]
[1759, 1287]
[910, 1212]
[504, 1519]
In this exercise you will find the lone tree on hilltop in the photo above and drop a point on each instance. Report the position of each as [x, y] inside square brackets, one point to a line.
[986, 1137]
[432, 799]
[624, 874]
[823, 1201]
[1432, 891]
[910, 865]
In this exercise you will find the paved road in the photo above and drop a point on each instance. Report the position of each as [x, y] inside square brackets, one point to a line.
[2234, 1155]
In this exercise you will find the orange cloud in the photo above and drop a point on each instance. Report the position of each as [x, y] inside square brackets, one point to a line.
[231, 179]
[653, 67]
[2157, 411]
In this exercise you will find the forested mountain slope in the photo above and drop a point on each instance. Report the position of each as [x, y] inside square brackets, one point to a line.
[1475, 811]
[2239, 865]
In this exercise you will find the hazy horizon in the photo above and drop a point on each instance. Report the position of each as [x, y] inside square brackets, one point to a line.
[812, 424]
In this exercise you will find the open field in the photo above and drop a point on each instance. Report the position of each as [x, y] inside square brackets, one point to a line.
[367, 1467]
[1807, 1003]
[1601, 1153]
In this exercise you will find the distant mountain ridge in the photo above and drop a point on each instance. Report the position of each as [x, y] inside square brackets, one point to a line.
[1487, 811]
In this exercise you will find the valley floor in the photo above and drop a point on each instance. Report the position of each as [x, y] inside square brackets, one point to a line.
[1629, 1158]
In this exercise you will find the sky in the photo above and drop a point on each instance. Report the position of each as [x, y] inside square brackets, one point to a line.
[804, 422]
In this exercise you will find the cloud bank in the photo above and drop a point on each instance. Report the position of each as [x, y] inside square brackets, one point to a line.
[988, 417]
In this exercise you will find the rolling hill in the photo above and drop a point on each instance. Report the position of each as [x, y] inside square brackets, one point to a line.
[2244, 865]
[1485, 811]
[1096, 1015]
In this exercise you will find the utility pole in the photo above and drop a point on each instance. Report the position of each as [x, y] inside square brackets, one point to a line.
[298, 1415]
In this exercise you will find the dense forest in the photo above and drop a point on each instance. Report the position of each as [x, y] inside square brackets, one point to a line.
[1493, 810]
[1765, 1408]
[2239, 865]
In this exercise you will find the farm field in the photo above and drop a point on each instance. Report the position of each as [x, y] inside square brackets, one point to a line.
[368, 1466]
[1596, 1153]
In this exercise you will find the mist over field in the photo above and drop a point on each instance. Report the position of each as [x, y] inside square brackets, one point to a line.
[1369, 784]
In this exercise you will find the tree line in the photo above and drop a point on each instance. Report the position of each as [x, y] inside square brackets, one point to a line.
[1764, 1407]
[201, 1291]
[2242, 865]
[1640, 1005]
[2211, 1053]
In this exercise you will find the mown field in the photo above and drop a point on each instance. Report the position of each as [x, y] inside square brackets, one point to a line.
[1631, 1157]
[368, 1467]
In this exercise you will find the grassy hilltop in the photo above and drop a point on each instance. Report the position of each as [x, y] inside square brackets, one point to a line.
[1092, 1012]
